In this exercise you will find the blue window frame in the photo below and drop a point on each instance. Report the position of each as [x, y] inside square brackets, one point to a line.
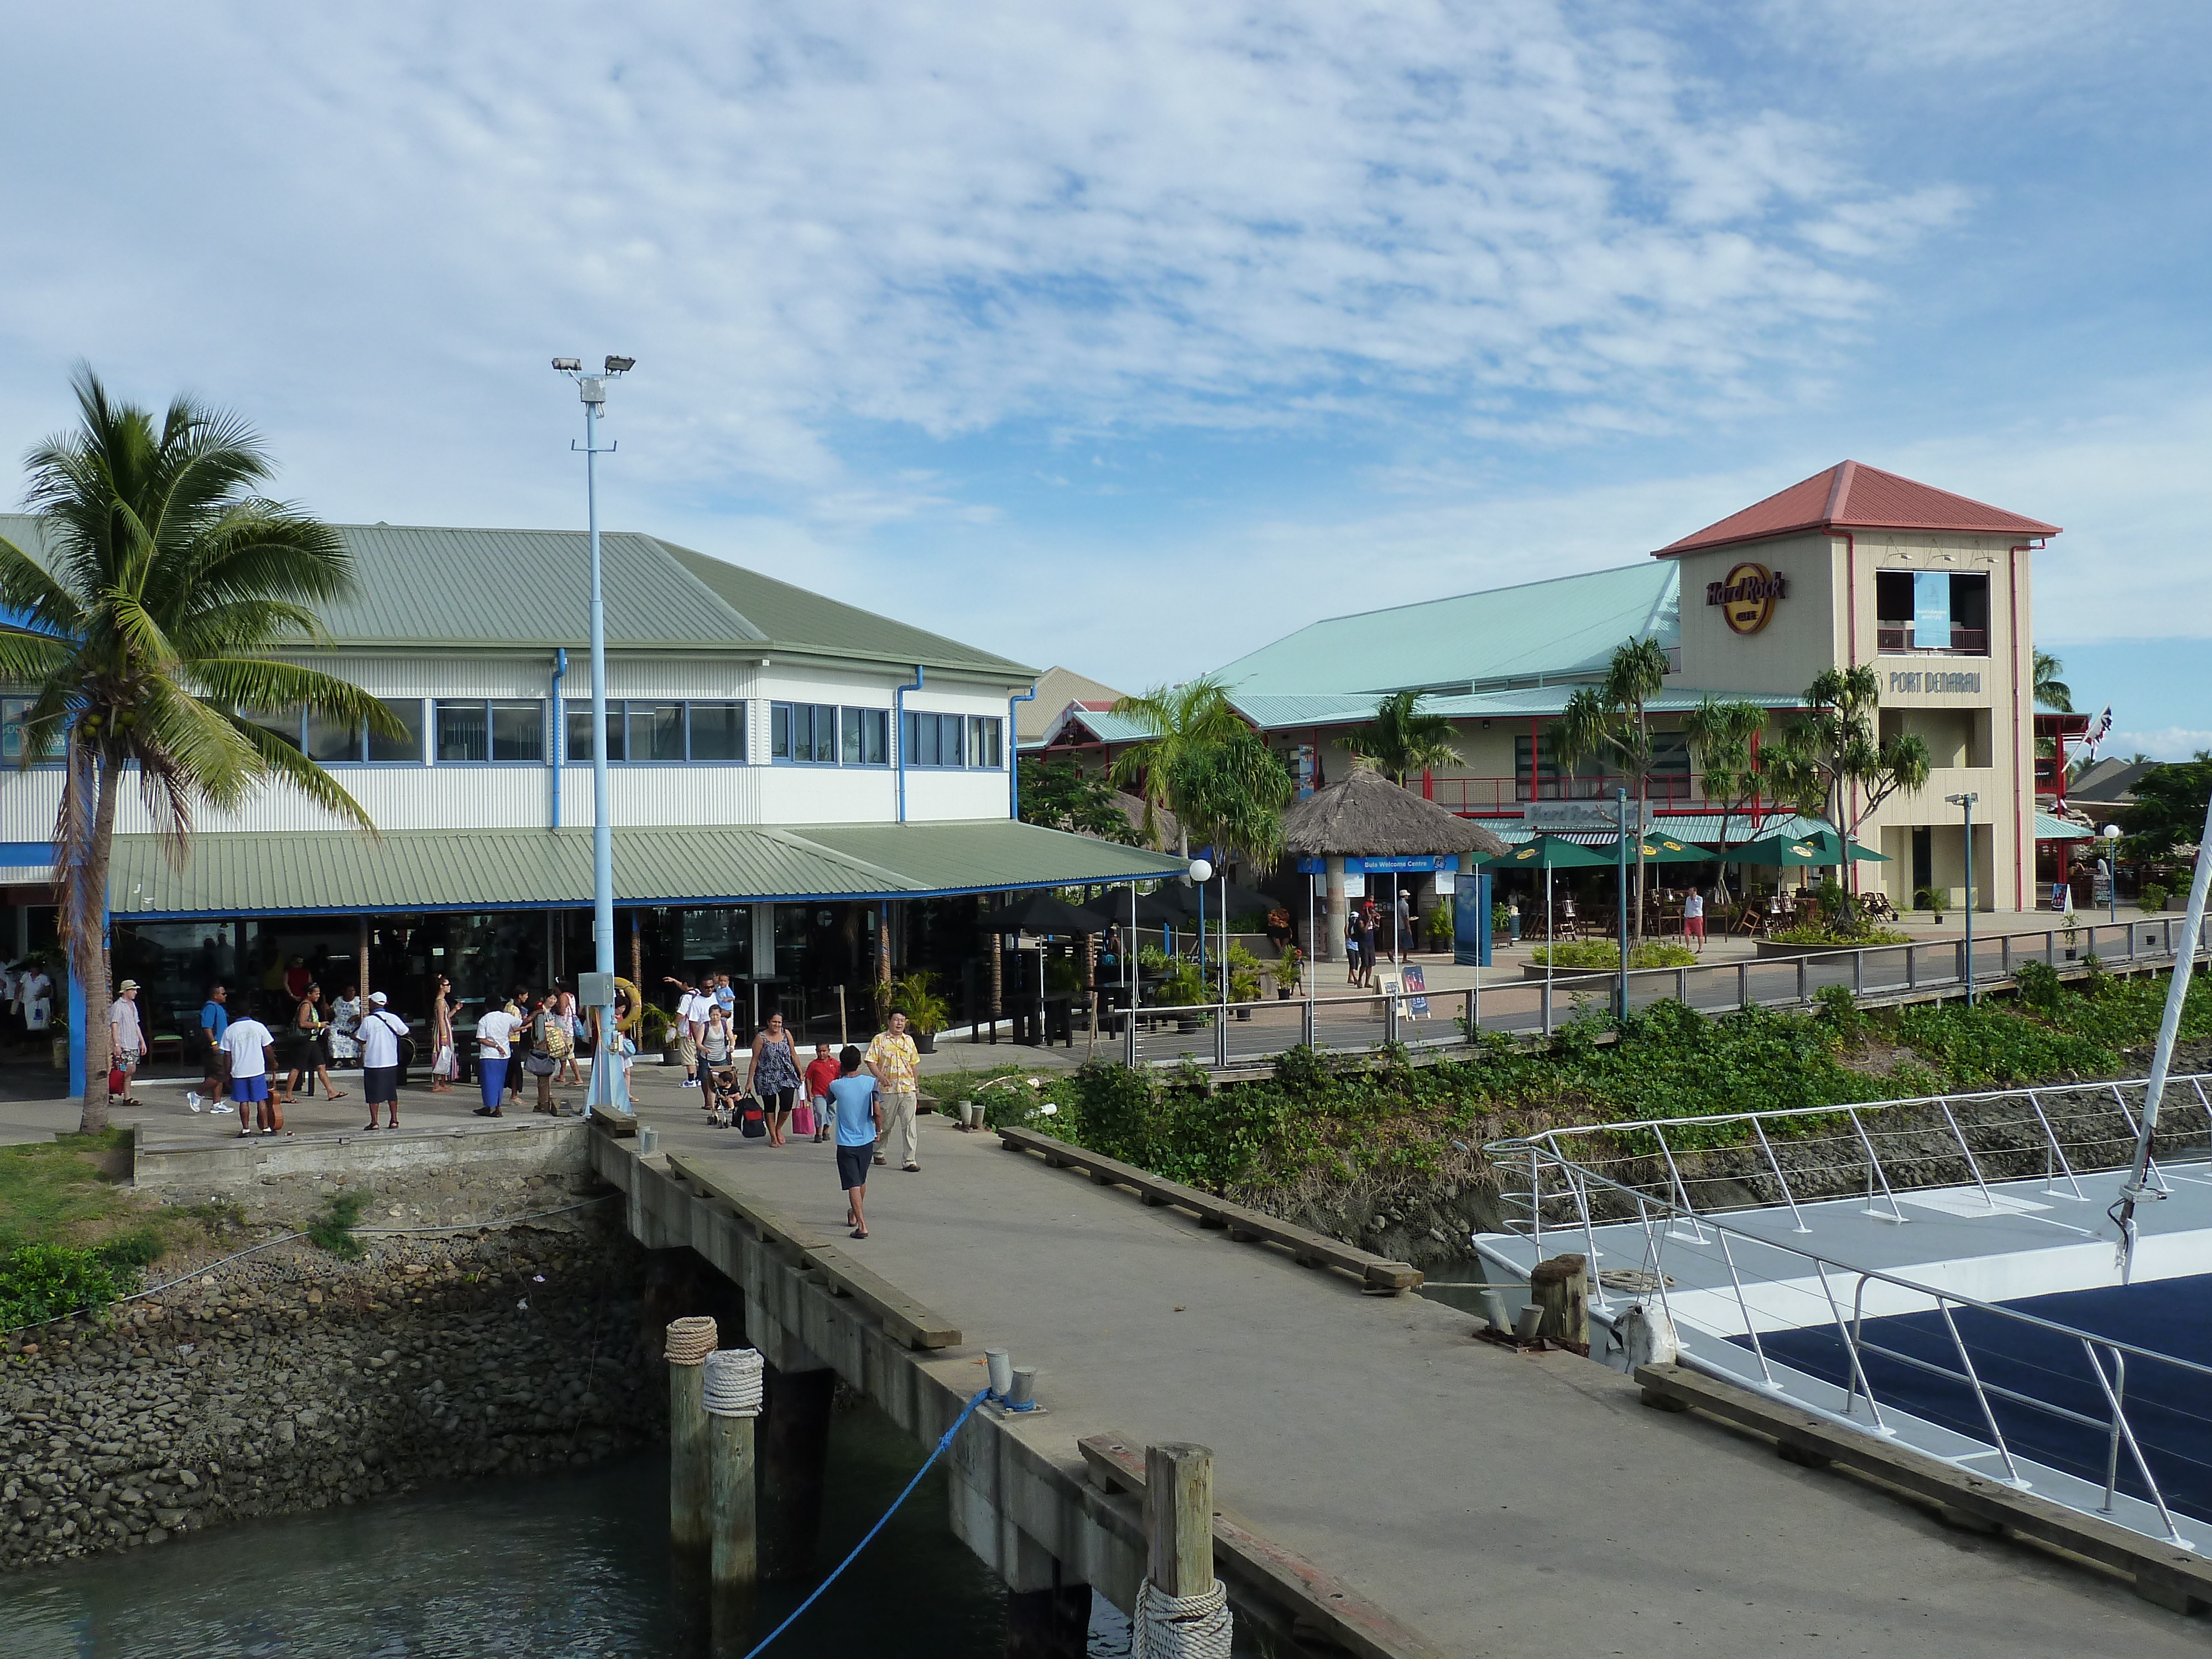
[642, 730]
[824, 734]
[474, 731]
[333, 742]
[976, 741]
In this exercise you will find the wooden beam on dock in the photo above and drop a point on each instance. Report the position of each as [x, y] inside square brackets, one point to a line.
[1243, 1223]
[1310, 1603]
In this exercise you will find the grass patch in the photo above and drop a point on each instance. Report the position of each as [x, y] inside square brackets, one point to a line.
[332, 1229]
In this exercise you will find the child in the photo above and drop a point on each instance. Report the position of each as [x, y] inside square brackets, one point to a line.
[819, 1076]
[859, 1115]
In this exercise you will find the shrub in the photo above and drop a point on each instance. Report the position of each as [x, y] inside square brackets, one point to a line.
[333, 1229]
[1442, 931]
[2040, 987]
[1840, 1010]
[40, 1282]
[1843, 938]
[1597, 953]
[2152, 896]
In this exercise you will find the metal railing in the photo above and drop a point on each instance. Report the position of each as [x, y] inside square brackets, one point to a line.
[1577, 1194]
[1225, 1034]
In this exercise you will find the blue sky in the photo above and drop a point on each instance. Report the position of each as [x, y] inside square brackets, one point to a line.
[1135, 338]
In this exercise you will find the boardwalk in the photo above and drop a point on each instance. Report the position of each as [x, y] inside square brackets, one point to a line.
[1501, 1504]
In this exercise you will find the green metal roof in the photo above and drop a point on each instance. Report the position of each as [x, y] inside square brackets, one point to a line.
[342, 872]
[2050, 828]
[426, 586]
[1566, 626]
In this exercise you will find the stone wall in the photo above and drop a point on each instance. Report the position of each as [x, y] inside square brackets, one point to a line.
[292, 1380]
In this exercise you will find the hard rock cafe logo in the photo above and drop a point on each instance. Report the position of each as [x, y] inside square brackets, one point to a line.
[1747, 596]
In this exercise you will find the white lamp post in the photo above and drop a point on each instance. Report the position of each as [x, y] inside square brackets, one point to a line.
[606, 1087]
[1967, 803]
[2111, 839]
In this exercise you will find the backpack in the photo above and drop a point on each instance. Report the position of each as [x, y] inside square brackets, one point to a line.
[555, 1036]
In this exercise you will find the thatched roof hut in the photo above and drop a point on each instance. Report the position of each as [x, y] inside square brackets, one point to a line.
[1368, 816]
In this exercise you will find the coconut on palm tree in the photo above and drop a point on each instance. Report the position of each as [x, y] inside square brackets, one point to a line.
[161, 578]
[1400, 739]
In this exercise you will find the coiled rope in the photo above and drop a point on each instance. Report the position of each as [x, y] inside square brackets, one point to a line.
[943, 1441]
[733, 1382]
[1181, 1626]
[692, 1340]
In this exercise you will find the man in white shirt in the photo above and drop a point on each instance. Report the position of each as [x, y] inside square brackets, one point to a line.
[690, 1025]
[250, 1050]
[36, 992]
[495, 1046]
[126, 1039]
[380, 1032]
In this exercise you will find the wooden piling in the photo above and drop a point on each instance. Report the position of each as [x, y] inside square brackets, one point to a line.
[1179, 1518]
[735, 1563]
[1561, 1286]
[689, 1523]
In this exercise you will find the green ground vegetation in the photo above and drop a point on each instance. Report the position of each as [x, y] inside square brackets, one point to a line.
[1318, 1121]
[1603, 953]
[73, 1236]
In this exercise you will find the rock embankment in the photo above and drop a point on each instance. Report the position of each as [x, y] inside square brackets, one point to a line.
[294, 1380]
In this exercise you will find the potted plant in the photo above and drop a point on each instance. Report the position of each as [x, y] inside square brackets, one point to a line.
[1442, 931]
[1288, 971]
[1183, 986]
[655, 1029]
[927, 1012]
[1931, 899]
[1244, 970]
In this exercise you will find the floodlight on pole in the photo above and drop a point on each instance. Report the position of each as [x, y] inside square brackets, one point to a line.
[608, 1089]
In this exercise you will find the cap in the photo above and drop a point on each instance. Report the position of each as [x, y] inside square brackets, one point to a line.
[128, 985]
[377, 997]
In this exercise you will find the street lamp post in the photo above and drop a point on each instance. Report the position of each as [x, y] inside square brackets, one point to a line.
[1621, 812]
[1966, 802]
[2111, 839]
[607, 1090]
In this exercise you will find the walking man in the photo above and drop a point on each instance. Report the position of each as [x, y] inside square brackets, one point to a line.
[380, 1032]
[125, 1037]
[859, 1109]
[895, 1065]
[1694, 919]
[250, 1049]
[215, 1021]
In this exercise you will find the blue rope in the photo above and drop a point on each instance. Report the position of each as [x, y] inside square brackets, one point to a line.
[944, 1440]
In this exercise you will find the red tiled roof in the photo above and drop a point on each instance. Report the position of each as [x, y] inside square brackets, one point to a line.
[1850, 496]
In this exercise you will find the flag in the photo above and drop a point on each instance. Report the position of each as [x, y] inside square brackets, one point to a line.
[2098, 731]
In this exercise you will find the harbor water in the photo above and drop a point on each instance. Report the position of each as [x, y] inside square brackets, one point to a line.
[574, 1563]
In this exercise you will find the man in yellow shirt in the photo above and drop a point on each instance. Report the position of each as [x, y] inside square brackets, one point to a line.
[893, 1062]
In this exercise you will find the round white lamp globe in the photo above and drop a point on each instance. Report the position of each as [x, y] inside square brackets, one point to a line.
[1200, 870]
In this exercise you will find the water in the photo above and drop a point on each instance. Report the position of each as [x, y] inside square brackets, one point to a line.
[574, 1563]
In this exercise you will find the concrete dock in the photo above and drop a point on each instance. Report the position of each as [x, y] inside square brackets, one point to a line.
[1496, 1503]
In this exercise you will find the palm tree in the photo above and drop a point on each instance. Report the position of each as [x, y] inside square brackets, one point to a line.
[1612, 718]
[2051, 691]
[1721, 733]
[162, 577]
[1833, 754]
[1400, 739]
[1205, 763]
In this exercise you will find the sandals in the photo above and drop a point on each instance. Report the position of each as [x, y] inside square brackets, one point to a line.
[860, 1232]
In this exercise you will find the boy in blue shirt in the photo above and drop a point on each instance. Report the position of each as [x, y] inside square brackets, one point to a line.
[859, 1117]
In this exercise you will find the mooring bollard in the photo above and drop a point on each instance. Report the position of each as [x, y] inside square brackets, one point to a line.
[1560, 1287]
[1183, 1611]
[690, 1342]
[732, 1397]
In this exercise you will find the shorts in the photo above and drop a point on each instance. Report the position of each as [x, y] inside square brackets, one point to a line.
[381, 1085]
[247, 1090]
[1693, 926]
[853, 1163]
[687, 1050]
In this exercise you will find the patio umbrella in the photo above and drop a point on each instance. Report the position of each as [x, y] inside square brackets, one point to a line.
[1785, 852]
[1043, 912]
[1547, 853]
[1658, 849]
[1828, 840]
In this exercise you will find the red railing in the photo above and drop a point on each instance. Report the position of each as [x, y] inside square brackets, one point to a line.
[1506, 796]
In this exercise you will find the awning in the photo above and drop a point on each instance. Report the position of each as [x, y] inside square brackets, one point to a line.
[341, 873]
[2048, 827]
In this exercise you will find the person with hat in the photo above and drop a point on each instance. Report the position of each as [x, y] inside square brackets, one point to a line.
[126, 1038]
[380, 1032]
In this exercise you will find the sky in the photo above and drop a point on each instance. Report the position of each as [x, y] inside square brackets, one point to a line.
[1134, 337]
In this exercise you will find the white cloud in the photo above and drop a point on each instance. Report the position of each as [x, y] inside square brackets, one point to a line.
[2171, 743]
[943, 217]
